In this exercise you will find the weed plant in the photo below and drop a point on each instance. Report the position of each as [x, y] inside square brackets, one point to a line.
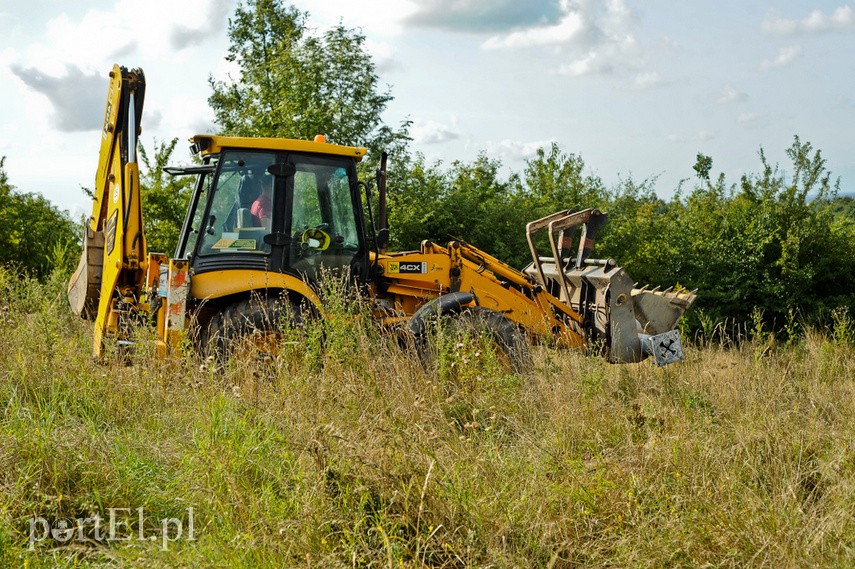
[347, 452]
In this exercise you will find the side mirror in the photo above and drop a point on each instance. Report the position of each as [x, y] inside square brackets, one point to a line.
[383, 238]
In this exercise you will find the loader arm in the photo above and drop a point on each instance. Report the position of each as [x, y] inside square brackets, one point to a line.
[569, 299]
[109, 280]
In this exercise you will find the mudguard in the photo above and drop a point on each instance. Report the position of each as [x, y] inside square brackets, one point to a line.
[450, 303]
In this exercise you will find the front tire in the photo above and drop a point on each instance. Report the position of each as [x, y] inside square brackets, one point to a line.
[509, 342]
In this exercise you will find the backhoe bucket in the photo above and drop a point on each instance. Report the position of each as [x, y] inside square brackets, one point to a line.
[84, 287]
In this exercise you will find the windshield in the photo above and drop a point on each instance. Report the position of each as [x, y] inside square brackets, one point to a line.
[311, 205]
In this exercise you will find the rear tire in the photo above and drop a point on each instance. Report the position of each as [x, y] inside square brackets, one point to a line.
[255, 323]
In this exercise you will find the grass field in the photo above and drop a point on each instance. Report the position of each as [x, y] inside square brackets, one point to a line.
[743, 455]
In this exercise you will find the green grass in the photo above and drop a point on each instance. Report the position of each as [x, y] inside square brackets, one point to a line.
[739, 456]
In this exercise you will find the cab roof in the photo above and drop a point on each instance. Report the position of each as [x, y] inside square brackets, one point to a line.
[206, 144]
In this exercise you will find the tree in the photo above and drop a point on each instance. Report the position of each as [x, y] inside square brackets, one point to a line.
[702, 167]
[642, 233]
[472, 202]
[165, 199]
[483, 210]
[294, 84]
[416, 201]
[843, 208]
[770, 242]
[554, 181]
[36, 235]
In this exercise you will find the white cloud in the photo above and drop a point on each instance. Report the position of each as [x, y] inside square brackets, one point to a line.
[153, 119]
[700, 136]
[185, 116]
[484, 15]
[647, 81]
[513, 150]
[432, 132]
[210, 24]
[68, 64]
[731, 95]
[571, 27]
[100, 37]
[593, 37]
[587, 65]
[375, 18]
[786, 55]
[77, 97]
[383, 55]
[746, 118]
[843, 18]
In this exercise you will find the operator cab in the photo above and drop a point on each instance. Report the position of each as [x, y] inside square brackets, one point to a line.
[275, 205]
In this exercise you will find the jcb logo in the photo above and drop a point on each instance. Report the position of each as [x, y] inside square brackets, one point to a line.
[398, 268]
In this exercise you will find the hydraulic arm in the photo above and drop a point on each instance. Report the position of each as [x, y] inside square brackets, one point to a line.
[109, 280]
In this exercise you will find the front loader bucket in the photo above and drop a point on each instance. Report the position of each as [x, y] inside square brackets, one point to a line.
[84, 287]
[635, 323]
[631, 323]
[658, 311]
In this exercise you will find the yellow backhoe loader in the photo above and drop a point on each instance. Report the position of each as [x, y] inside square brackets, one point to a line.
[269, 216]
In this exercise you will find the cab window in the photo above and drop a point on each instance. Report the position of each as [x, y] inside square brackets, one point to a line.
[241, 206]
[324, 226]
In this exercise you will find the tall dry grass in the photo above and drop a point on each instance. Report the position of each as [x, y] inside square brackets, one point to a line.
[348, 453]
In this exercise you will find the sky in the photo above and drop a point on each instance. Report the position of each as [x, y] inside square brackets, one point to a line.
[637, 88]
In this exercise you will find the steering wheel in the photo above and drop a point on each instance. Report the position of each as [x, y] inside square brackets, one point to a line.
[315, 239]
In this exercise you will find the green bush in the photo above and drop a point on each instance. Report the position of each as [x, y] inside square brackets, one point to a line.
[36, 236]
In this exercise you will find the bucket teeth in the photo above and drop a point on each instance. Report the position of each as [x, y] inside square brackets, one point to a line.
[669, 293]
[661, 316]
